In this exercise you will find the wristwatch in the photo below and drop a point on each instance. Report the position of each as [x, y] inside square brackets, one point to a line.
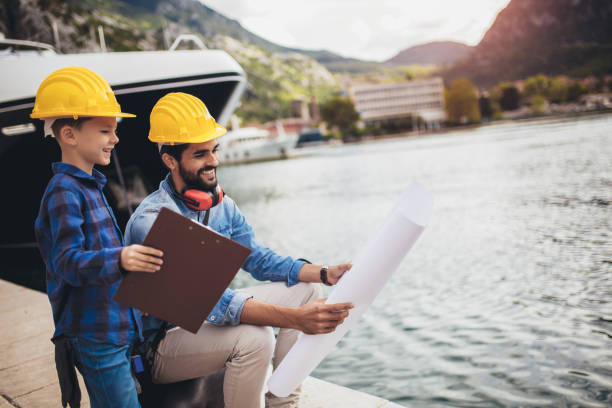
[324, 275]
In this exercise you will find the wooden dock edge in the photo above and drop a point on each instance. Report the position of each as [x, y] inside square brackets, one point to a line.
[27, 369]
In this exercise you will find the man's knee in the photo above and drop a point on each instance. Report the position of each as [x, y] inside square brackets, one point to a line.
[308, 291]
[256, 340]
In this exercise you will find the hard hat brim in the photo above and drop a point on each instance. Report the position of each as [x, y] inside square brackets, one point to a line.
[46, 115]
[218, 132]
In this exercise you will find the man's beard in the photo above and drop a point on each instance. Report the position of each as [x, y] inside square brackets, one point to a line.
[193, 179]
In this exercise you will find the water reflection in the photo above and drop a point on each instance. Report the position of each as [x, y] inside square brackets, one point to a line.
[506, 298]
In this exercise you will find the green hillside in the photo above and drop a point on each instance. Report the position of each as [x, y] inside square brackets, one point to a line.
[276, 75]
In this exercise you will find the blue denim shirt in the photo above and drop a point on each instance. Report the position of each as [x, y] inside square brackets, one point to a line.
[226, 219]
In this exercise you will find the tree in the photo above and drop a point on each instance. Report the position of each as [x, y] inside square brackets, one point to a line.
[538, 104]
[462, 102]
[600, 84]
[510, 96]
[485, 107]
[557, 90]
[340, 112]
[536, 85]
[575, 91]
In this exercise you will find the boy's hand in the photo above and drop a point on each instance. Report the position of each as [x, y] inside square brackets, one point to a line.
[140, 258]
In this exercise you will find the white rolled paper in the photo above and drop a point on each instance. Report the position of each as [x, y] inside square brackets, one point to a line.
[371, 270]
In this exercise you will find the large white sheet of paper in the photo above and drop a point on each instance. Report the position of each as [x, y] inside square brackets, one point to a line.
[371, 270]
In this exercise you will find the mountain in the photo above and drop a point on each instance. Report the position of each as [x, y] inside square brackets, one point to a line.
[276, 74]
[338, 63]
[204, 20]
[130, 16]
[571, 37]
[554, 37]
[433, 53]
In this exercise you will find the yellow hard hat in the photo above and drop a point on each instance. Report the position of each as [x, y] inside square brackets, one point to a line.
[182, 118]
[75, 92]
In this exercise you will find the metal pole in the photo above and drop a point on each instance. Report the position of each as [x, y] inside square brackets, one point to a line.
[56, 36]
[166, 36]
[102, 41]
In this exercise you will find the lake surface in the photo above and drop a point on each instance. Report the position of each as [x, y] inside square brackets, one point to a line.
[505, 300]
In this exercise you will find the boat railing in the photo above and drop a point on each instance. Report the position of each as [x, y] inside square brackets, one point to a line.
[38, 46]
[187, 38]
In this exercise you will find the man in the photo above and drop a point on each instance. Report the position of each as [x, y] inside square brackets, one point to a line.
[238, 332]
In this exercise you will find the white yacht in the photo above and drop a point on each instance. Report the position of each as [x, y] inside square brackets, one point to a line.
[139, 79]
[250, 144]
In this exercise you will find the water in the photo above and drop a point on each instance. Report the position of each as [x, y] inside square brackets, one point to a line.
[505, 300]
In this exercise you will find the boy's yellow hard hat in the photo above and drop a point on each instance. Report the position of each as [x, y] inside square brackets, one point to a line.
[75, 92]
[182, 118]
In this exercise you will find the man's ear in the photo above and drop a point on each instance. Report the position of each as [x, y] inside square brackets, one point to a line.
[169, 161]
[67, 135]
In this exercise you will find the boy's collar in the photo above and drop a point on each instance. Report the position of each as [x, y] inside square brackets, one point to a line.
[96, 176]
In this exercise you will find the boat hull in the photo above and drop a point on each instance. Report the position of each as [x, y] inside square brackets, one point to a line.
[26, 156]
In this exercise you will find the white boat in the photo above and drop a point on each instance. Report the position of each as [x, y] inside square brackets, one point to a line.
[251, 144]
[139, 79]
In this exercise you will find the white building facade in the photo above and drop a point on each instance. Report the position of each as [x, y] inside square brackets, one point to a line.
[422, 98]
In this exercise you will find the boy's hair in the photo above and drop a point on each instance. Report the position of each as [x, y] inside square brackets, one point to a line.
[58, 124]
[175, 151]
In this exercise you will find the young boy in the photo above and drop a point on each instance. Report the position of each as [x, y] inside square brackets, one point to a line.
[82, 245]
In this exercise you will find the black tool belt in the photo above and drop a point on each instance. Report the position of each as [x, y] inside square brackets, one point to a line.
[66, 372]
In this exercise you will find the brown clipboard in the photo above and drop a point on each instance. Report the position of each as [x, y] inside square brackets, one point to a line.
[199, 264]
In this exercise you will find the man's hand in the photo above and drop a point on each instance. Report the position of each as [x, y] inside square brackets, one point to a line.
[140, 258]
[312, 273]
[317, 318]
[334, 273]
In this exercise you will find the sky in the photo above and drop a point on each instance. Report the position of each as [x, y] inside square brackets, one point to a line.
[363, 29]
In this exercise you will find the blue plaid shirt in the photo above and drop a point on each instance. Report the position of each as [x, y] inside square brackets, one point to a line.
[81, 244]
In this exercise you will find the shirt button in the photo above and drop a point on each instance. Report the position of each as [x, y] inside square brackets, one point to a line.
[212, 317]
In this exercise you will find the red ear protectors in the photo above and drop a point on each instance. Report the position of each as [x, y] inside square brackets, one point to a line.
[201, 200]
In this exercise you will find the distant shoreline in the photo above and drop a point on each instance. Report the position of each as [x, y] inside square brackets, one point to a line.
[448, 129]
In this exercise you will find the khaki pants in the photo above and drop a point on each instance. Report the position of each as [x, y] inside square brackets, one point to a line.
[244, 350]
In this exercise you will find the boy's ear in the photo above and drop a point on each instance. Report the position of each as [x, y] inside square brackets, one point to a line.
[169, 161]
[67, 135]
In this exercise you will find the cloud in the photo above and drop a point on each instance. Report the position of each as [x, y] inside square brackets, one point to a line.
[363, 29]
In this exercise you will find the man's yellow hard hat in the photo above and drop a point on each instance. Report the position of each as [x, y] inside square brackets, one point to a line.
[182, 118]
[75, 92]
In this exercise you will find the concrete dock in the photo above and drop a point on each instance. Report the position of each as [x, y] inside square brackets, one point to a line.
[27, 368]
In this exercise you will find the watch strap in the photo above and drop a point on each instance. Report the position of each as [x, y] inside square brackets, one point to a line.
[324, 275]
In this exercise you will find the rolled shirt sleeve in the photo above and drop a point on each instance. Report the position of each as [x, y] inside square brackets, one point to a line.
[228, 309]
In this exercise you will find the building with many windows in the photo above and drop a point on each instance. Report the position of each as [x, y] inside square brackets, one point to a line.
[422, 98]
